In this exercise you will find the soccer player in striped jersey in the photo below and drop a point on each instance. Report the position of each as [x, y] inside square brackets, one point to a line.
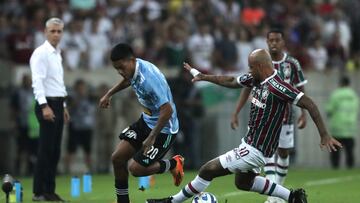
[289, 69]
[271, 95]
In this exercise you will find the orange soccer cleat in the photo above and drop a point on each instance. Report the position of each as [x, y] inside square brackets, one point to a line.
[178, 171]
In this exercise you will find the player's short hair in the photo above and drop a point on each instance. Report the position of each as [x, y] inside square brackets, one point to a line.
[277, 31]
[56, 21]
[121, 51]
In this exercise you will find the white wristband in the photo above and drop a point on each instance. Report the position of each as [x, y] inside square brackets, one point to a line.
[194, 72]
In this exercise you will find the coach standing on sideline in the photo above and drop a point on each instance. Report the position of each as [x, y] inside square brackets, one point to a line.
[49, 90]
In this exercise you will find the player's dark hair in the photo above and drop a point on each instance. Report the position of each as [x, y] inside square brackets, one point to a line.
[121, 51]
[277, 31]
[344, 81]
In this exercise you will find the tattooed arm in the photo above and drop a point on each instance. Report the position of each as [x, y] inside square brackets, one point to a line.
[226, 81]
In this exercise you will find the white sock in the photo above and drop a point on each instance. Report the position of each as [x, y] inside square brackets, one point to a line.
[267, 187]
[270, 168]
[194, 187]
[282, 169]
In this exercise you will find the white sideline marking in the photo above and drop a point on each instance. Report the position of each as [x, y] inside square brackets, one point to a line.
[236, 193]
[328, 181]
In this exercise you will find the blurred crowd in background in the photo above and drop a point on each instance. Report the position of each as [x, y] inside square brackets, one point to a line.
[215, 36]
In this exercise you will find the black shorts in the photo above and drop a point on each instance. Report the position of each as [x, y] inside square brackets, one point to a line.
[137, 133]
[79, 138]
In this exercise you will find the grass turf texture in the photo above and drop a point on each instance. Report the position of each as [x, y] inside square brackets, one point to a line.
[322, 186]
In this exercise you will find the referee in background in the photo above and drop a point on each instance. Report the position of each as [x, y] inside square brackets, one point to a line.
[49, 90]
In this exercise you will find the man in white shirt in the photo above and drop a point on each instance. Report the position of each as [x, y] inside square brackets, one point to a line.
[49, 90]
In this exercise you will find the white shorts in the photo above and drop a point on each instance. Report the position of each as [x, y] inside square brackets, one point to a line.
[243, 159]
[286, 137]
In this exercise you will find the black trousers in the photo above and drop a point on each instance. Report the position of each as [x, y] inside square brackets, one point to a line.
[348, 144]
[49, 148]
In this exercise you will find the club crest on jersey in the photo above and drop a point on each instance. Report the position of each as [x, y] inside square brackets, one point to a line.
[265, 93]
[287, 72]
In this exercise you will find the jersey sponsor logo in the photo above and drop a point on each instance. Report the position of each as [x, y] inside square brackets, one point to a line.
[131, 134]
[277, 85]
[258, 103]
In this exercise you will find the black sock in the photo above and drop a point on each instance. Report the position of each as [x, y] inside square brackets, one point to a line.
[163, 164]
[121, 190]
[172, 163]
[166, 165]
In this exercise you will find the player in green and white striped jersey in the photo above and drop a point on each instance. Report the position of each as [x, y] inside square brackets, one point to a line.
[270, 98]
[289, 69]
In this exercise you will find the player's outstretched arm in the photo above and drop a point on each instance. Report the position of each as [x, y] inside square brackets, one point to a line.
[327, 141]
[226, 81]
[244, 95]
[105, 100]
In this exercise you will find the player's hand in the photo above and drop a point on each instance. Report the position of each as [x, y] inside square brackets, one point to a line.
[195, 73]
[105, 101]
[234, 122]
[148, 143]
[301, 122]
[330, 143]
[48, 113]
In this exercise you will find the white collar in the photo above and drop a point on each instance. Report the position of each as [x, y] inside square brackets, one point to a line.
[268, 78]
[282, 60]
[51, 48]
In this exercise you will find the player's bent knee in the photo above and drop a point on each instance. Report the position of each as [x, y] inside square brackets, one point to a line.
[117, 160]
[243, 185]
[244, 181]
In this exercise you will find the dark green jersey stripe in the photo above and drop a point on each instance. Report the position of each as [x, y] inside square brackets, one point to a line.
[268, 104]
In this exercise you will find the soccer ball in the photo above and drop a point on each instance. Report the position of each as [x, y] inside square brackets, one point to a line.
[204, 197]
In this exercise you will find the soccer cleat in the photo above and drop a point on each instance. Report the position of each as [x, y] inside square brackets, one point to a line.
[298, 196]
[163, 200]
[178, 171]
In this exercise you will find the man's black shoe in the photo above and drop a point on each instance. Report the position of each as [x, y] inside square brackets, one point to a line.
[38, 198]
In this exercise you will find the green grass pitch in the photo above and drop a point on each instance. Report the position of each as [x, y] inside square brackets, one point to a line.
[322, 186]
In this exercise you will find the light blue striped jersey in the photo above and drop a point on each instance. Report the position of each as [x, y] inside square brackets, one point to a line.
[153, 91]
